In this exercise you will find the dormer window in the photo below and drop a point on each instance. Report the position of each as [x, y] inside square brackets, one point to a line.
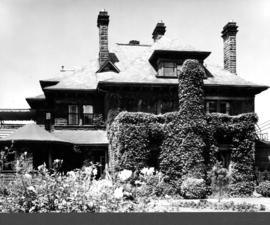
[167, 69]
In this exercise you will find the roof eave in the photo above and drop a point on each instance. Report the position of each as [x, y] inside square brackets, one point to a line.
[69, 89]
[107, 83]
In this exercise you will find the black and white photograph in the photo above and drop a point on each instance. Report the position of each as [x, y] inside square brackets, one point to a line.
[122, 106]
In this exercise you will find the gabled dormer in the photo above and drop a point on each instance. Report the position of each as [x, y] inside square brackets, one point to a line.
[169, 55]
[108, 66]
[168, 62]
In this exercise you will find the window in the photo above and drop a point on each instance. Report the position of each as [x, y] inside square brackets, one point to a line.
[73, 115]
[87, 114]
[217, 106]
[211, 107]
[169, 106]
[167, 69]
[225, 107]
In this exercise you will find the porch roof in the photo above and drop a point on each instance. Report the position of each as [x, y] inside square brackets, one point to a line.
[83, 137]
[32, 133]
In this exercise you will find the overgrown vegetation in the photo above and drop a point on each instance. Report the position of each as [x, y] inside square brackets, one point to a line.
[264, 188]
[185, 144]
[41, 190]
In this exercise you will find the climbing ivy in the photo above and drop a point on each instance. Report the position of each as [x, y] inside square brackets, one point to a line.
[185, 144]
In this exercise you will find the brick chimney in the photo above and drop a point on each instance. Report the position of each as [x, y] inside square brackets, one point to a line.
[229, 38]
[159, 31]
[102, 23]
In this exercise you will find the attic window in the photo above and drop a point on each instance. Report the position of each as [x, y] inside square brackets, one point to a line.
[167, 69]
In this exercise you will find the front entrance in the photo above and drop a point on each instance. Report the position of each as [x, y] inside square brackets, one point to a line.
[224, 155]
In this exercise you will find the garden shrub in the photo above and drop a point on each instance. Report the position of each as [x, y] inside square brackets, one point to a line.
[241, 189]
[264, 188]
[193, 188]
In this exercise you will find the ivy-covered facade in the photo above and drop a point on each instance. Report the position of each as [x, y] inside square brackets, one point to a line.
[187, 143]
[78, 105]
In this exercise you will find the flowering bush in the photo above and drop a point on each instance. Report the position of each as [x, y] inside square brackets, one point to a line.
[193, 188]
[44, 190]
[151, 183]
[124, 175]
[264, 188]
[52, 191]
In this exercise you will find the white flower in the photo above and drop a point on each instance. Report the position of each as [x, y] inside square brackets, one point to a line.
[95, 171]
[137, 182]
[41, 167]
[148, 171]
[71, 174]
[31, 188]
[27, 176]
[125, 174]
[25, 153]
[118, 193]
[88, 170]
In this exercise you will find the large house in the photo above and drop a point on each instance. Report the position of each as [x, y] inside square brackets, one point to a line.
[76, 104]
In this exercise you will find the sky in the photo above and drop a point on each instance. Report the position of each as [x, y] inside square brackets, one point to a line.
[38, 36]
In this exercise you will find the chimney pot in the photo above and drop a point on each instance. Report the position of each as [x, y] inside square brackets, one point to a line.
[229, 39]
[134, 42]
[159, 31]
[103, 18]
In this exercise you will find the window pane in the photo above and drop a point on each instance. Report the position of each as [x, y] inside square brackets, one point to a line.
[73, 119]
[211, 107]
[225, 107]
[73, 109]
[73, 114]
[87, 109]
[87, 114]
[87, 119]
[169, 71]
[168, 64]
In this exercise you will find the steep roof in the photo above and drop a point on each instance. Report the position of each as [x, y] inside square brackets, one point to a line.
[135, 68]
[33, 132]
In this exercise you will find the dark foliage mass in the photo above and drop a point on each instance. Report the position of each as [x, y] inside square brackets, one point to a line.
[185, 144]
[264, 188]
